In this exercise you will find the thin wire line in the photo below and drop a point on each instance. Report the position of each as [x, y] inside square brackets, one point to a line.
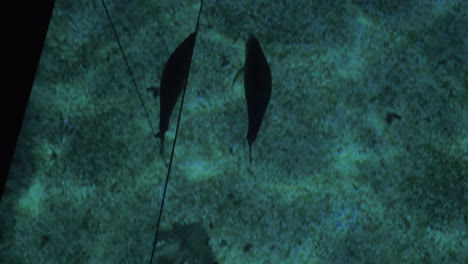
[128, 67]
[149, 121]
[174, 143]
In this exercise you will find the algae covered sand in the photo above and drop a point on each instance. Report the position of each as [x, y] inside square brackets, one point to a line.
[362, 155]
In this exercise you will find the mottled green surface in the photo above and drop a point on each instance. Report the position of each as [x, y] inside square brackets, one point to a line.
[331, 180]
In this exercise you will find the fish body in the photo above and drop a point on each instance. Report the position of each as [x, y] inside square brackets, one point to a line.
[257, 85]
[172, 82]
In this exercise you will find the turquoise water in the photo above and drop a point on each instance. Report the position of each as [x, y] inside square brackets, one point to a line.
[335, 176]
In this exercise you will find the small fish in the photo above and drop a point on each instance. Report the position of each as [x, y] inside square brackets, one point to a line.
[257, 85]
[172, 82]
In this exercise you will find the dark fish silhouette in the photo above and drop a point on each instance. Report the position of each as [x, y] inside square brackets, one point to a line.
[172, 82]
[257, 85]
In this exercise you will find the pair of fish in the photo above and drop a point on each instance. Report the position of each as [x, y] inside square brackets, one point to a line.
[257, 85]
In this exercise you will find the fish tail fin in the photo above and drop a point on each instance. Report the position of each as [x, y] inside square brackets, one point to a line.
[160, 135]
[250, 153]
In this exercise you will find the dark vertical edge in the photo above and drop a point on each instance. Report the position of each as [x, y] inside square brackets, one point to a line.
[23, 28]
